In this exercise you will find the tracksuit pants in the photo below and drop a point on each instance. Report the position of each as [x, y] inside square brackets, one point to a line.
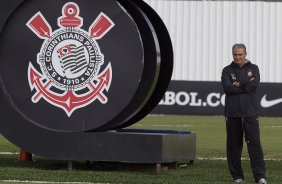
[237, 128]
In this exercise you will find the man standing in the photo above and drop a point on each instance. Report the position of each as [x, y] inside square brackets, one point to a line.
[240, 80]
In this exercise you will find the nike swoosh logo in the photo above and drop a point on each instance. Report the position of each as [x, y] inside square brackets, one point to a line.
[269, 103]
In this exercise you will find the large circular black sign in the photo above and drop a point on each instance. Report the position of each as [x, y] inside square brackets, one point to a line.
[71, 77]
[69, 68]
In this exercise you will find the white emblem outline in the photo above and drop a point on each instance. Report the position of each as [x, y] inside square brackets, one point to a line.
[69, 101]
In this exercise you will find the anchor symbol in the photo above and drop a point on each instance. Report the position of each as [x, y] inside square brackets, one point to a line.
[69, 100]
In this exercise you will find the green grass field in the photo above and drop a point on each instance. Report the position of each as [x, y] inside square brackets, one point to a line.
[208, 168]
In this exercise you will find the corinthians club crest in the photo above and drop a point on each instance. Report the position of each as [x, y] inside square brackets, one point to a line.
[70, 60]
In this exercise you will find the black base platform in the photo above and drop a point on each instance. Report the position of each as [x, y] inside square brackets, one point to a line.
[136, 146]
[143, 146]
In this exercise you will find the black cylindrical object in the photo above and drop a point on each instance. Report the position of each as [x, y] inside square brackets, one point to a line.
[72, 68]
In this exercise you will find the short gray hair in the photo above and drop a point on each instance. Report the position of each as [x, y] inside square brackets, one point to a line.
[239, 46]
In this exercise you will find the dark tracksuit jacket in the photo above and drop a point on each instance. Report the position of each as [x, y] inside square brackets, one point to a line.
[240, 102]
[241, 111]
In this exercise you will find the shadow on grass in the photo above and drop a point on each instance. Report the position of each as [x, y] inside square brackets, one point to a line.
[12, 161]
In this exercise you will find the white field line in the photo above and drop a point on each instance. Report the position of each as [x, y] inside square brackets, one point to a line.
[177, 125]
[198, 158]
[47, 182]
[224, 158]
[172, 125]
[272, 126]
[9, 153]
[161, 125]
[155, 115]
